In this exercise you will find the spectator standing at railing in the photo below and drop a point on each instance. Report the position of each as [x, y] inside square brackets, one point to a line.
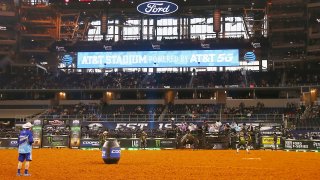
[25, 141]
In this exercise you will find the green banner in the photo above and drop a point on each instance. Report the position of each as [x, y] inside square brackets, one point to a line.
[75, 134]
[37, 133]
[55, 141]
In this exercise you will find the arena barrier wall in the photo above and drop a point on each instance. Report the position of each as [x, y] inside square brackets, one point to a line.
[306, 145]
[8, 143]
[216, 142]
[134, 143]
[266, 142]
[55, 141]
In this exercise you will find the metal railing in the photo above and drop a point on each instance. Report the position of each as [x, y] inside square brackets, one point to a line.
[278, 118]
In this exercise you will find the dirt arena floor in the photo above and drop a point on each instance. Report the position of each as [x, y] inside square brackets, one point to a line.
[166, 164]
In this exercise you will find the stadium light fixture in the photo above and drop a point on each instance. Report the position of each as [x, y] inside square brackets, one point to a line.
[318, 20]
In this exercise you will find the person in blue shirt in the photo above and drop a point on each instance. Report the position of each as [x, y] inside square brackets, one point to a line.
[25, 141]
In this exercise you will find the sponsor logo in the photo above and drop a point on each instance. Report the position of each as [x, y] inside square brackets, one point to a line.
[76, 122]
[288, 144]
[266, 128]
[2, 28]
[115, 151]
[166, 142]
[158, 143]
[95, 125]
[60, 49]
[135, 143]
[36, 129]
[75, 130]
[107, 48]
[49, 139]
[37, 122]
[316, 145]
[214, 146]
[299, 145]
[131, 125]
[13, 142]
[157, 7]
[67, 59]
[249, 56]
[56, 122]
[92, 143]
[269, 140]
[103, 153]
[52, 139]
[256, 45]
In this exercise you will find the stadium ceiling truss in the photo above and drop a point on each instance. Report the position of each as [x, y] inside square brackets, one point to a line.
[252, 16]
[290, 27]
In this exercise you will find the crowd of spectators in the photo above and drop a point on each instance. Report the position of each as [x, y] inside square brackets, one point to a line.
[30, 78]
[172, 112]
[296, 116]
[7, 129]
[90, 111]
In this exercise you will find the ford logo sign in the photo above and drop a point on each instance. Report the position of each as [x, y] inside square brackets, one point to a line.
[157, 7]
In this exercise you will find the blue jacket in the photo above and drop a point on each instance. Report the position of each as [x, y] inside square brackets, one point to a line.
[25, 141]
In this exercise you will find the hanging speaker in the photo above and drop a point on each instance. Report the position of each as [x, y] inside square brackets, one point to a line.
[217, 20]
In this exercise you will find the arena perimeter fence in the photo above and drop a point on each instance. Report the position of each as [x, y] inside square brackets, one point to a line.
[262, 118]
[82, 132]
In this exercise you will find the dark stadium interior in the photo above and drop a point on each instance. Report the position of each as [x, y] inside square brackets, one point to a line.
[40, 78]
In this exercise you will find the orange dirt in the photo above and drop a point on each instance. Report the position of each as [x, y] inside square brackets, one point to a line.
[167, 164]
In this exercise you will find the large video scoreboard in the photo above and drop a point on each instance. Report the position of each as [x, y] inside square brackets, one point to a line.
[177, 58]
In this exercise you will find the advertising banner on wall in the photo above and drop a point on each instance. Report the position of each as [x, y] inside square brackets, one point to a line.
[129, 143]
[55, 141]
[302, 144]
[316, 145]
[267, 142]
[37, 133]
[164, 143]
[8, 142]
[134, 125]
[75, 134]
[89, 143]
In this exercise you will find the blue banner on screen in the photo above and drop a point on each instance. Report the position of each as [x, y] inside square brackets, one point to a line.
[185, 58]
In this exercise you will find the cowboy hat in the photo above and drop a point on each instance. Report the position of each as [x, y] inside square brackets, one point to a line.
[27, 125]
